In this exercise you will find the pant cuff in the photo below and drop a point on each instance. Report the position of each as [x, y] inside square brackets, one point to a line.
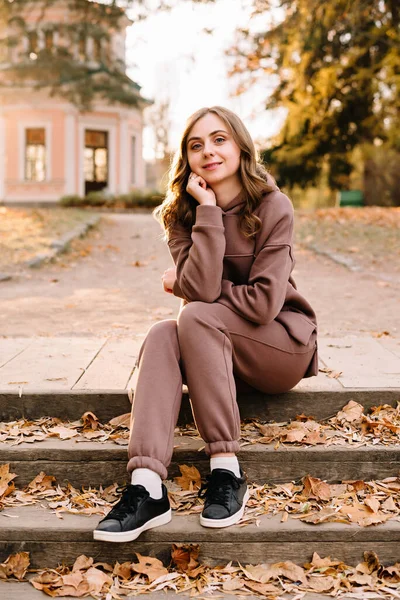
[216, 447]
[147, 462]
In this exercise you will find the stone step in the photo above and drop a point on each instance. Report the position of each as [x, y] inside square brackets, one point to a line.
[96, 463]
[15, 590]
[52, 540]
[71, 404]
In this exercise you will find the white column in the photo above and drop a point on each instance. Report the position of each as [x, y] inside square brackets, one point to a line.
[40, 38]
[81, 150]
[70, 158]
[140, 164]
[2, 157]
[123, 157]
[112, 166]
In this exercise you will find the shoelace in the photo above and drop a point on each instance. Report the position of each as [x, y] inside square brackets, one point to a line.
[131, 495]
[216, 489]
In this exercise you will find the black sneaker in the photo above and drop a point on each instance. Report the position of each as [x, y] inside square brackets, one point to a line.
[225, 498]
[135, 512]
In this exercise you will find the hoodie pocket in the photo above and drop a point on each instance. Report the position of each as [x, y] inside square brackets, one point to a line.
[297, 325]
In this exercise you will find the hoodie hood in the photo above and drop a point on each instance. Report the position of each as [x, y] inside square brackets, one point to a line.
[235, 205]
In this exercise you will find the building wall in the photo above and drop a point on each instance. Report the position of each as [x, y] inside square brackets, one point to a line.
[65, 127]
[65, 140]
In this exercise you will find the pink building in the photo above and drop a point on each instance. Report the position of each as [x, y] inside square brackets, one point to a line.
[48, 147]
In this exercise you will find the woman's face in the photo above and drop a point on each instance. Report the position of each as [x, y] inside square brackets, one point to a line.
[212, 152]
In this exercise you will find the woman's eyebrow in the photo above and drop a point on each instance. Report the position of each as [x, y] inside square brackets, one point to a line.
[212, 133]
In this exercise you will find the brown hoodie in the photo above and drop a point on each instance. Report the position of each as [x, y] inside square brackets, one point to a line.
[215, 262]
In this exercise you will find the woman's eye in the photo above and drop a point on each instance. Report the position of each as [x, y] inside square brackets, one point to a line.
[195, 146]
[220, 138]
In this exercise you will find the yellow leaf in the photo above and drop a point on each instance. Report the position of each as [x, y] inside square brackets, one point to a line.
[16, 565]
[42, 482]
[5, 478]
[90, 421]
[316, 488]
[190, 479]
[185, 556]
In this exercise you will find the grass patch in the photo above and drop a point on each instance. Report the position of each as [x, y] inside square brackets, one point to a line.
[369, 235]
[26, 232]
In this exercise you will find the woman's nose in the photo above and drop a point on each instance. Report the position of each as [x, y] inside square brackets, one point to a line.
[208, 150]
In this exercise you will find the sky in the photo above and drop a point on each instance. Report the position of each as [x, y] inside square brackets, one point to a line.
[171, 56]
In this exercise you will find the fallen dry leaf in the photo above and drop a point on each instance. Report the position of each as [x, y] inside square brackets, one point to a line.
[82, 562]
[151, 567]
[190, 478]
[185, 556]
[121, 421]
[351, 412]
[316, 488]
[65, 433]
[5, 480]
[16, 566]
[90, 421]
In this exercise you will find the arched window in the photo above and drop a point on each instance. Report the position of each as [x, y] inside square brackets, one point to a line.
[97, 49]
[33, 42]
[48, 39]
[82, 46]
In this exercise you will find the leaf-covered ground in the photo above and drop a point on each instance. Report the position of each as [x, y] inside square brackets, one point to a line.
[369, 236]
[26, 232]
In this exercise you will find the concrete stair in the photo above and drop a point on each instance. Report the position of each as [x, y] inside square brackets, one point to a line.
[60, 390]
[51, 539]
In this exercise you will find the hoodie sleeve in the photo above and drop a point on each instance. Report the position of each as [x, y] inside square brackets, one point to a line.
[199, 256]
[262, 298]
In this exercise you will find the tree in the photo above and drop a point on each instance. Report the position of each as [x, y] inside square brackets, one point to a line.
[57, 66]
[337, 67]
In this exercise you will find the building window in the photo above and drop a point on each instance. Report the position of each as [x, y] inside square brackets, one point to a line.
[95, 160]
[35, 154]
[33, 42]
[4, 51]
[97, 50]
[48, 40]
[82, 46]
[133, 160]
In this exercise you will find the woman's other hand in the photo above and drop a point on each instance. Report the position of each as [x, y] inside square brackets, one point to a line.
[168, 279]
[200, 190]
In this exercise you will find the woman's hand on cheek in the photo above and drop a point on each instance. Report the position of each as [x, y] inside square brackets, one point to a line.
[200, 190]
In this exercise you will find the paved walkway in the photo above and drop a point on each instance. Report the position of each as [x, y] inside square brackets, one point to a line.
[107, 363]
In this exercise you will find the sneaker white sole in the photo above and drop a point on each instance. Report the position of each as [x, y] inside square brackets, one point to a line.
[129, 536]
[229, 520]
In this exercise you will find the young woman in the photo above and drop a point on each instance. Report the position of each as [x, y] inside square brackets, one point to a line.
[229, 231]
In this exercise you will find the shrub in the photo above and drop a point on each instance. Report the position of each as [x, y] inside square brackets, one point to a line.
[72, 200]
[136, 198]
[99, 199]
[139, 198]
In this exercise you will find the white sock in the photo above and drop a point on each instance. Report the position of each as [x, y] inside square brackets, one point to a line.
[226, 462]
[148, 479]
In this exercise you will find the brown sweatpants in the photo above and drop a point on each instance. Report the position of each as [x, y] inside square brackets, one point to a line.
[208, 347]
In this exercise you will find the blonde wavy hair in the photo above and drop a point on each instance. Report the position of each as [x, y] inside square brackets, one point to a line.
[180, 207]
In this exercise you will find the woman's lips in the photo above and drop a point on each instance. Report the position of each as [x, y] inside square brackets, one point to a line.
[211, 166]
